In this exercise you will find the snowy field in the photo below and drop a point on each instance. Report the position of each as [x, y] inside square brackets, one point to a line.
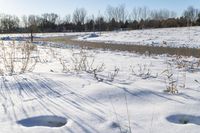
[95, 91]
[25, 35]
[165, 37]
[187, 37]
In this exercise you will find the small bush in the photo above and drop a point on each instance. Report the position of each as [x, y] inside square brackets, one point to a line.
[173, 81]
[17, 58]
[143, 71]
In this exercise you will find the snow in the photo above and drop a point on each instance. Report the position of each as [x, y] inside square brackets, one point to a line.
[38, 35]
[92, 35]
[48, 121]
[165, 37]
[48, 100]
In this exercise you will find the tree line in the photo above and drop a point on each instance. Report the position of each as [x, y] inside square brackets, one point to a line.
[114, 18]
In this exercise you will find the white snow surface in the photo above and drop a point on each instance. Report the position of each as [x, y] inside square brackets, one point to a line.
[165, 37]
[48, 100]
[43, 34]
[188, 37]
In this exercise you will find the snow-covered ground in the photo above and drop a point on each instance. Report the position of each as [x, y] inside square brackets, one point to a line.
[4, 36]
[49, 100]
[166, 37]
[188, 37]
[128, 95]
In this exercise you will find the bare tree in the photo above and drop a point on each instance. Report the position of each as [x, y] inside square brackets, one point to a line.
[162, 14]
[173, 14]
[59, 21]
[100, 23]
[9, 23]
[121, 13]
[90, 23]
[25, 21]
[49, 18]
[109, 13]
[67, 19]
[134, 14]
[79, 16]
[118, 13]
[140, 13]
[145, 13]
[191, 14]
[33, 22]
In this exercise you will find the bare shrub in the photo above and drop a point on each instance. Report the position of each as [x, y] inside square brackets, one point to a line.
[82, 61]
[28, 62]
[173, 81]
[186, 65]
[8, 54]
[65, 66]
[143, 71]
[44, 54]
[112, 75]
[17, 57]
[53, 53]
[170, 82]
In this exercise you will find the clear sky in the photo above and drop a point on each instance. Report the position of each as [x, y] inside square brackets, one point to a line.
[62, 7]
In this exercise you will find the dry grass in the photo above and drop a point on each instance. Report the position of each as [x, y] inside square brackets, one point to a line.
[130, 48]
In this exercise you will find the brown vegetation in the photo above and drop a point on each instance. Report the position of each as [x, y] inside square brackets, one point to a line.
[121, 47]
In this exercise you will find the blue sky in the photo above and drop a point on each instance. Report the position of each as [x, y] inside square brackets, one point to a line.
[62, 7]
